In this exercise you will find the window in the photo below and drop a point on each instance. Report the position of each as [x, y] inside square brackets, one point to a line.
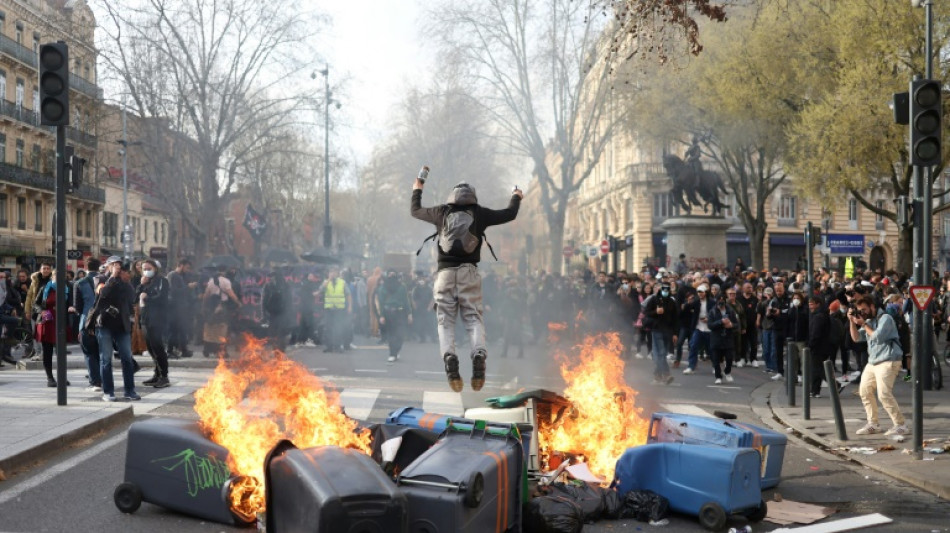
[145, 235]
[19, 152]
[628, 214]
[879, 218]
[853, 214]
[21, 213]
[787, 209]
[38, 215]
[3, 147]
[36, 99]
[86, 76]
[163, 233]
[663, 206]
[4, 221]
[110, 228]
[78, 223]
[3, 84]
[945, 226]
[155, 231]
[36, 158]
[19, 92]
[36, 44]
[88, 223]
[19, 33]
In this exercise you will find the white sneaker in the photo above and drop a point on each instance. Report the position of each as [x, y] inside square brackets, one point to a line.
[638, 355]
[869, 429]
[391, 359]
[729, 378]
[755, 364]
[855, 375]
[778, 377]
[718, 381]
[688, 371]
[740, 364]
[670, 357]
[799, 379]
[898, 430]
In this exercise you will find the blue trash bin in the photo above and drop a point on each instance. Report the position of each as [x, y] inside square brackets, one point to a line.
[710, 482]
[691, 429]
[417, 418]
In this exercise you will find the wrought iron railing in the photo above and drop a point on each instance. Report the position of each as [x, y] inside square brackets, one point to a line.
[23, 176]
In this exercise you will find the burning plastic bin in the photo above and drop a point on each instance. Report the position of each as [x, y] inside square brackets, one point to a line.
[691, 429]
[169, 462]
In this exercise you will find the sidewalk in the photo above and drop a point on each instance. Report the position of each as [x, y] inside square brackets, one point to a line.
[931, 474]
[35, 427]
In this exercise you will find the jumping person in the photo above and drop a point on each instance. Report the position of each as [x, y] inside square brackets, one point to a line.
[460, 226]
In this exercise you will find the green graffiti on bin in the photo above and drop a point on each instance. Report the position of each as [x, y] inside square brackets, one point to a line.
[201, 472]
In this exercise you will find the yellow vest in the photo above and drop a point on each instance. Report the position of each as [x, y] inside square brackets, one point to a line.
[848, 268]
[335, 295]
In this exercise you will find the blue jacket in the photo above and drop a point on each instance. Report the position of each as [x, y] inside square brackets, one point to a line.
[884, 343]
[84, 298]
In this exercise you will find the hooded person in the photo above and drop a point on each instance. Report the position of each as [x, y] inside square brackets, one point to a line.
[460, 230]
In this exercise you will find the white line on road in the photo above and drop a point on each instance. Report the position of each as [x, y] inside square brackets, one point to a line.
[378, 371]
[723, 387]
[358, 403]
[447, 403]
[52, 472]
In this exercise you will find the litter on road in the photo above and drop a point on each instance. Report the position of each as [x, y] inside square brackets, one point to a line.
[837, 526]
[786, 512]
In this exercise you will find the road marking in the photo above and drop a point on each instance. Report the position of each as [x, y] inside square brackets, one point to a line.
[376, 370]
[723, 387]
[447, 403]
[430, 372]
[55, 470]
[358, 403]
[319, 369]
[685, 409]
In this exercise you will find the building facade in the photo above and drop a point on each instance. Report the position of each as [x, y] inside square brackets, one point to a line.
[27, 149]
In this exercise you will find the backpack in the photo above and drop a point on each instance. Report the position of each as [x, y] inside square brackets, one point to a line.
[903, 331]
[837, 332]
[457, 238]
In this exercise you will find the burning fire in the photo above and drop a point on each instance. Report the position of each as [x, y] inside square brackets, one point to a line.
[251, 403]
[605, 420]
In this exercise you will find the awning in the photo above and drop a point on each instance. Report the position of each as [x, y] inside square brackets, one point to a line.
[787, 239]
[737, 238]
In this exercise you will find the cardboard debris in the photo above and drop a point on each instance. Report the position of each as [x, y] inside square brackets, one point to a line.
[846, 524]
[3, 477]
[886, 448]
[787, 512]
[581, 472]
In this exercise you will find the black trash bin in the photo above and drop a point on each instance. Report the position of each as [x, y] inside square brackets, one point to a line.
[169, 462]
[328, 489]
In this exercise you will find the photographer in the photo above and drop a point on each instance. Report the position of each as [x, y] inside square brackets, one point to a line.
[723, 323]
[877, 328]
[777, 310]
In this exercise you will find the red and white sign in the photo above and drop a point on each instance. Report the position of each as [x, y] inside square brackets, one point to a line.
[568, 252]
[922, 296]
[604, 247]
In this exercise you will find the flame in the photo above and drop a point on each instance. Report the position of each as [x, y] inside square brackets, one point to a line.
[260, 398]
[557, 326]
[604, 420]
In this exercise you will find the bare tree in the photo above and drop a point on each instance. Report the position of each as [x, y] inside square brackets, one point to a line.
[538, 67]
[217, 72]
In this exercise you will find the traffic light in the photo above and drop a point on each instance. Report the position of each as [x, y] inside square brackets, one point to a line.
[815, 236]
[925, 114]
[54, 84]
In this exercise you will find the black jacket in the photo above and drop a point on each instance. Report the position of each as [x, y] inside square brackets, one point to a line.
[819, 334]
[667, 322]
[120, 294]
[720, 336]
[484, 218]
[797, 327]
[155, 312]
[696, 308]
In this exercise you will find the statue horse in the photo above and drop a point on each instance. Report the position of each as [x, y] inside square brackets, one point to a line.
[690, 180]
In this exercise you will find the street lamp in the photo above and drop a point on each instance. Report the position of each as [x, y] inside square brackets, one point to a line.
[327, 228]
[126, 228]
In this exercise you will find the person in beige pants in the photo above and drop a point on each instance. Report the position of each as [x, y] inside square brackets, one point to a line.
[877, 328]
[460, 230]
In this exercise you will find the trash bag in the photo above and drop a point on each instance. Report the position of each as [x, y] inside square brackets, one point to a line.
[553, 514]
[613, 505]
[588, 497]
[645, 506]
[414, 443]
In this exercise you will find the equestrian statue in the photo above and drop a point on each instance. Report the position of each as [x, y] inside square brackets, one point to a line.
[689, 179]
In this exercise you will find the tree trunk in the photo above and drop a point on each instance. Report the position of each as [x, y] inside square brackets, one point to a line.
[905, 250]
[757, 247]
[555, 241]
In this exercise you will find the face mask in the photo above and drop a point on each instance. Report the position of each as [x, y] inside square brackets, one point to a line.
[665, 293]
[148, 273]
[625, 286]
[796, 302]
[893, 308]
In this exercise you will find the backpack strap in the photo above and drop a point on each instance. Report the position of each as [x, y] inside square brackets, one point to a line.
[490, 249]
[429, 238]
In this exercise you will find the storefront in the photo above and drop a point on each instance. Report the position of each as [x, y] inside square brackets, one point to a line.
[786, 250]
[841, 247]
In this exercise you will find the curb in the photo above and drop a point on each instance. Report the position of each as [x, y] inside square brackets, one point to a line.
[55, 445]
[762, 407]
[145, 362]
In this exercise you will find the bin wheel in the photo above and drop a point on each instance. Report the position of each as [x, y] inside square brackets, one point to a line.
[712, 516]
[474, 490]
[759, 513]
[128, 497]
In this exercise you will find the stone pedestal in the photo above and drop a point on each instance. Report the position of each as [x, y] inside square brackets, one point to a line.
[702, 239]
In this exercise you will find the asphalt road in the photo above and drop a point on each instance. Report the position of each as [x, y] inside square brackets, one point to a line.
[73, 491]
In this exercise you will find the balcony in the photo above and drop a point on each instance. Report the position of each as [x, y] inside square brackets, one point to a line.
[787, 222]
[16, 50]
[84, 86]
[879, 225]
[20, 113]
[28, 178]
[81, 137]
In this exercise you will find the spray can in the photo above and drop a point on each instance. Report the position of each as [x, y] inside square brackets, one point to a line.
[423, 174]
[743, 529]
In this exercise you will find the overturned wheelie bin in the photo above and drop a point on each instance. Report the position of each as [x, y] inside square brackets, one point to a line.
[170, 463]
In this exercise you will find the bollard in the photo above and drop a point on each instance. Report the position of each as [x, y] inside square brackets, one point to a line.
[806, 383]
[791, 370]
[835, 400]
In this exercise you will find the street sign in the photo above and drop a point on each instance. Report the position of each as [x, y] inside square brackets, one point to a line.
[604, 247]
[922, 296]
[73, 254]
[568, 252]
[592, 252]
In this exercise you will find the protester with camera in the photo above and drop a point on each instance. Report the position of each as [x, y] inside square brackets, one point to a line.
[871, 325]
[112, 319]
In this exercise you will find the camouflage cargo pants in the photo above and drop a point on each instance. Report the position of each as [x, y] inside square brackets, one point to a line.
[458, 291]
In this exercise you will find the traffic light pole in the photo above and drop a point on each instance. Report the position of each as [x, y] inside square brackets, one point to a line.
[60, 280]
